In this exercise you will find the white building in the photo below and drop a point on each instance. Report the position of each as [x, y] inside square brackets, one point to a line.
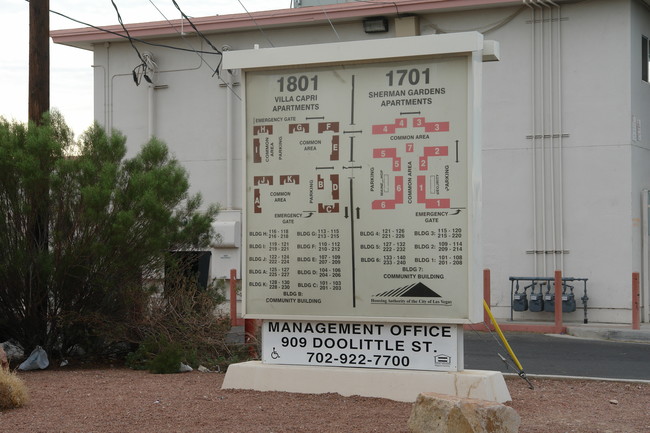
[566, 121]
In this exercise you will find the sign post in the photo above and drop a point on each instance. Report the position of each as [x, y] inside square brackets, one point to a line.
[362, 200]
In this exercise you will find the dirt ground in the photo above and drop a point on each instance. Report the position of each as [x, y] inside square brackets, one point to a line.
[122, 400]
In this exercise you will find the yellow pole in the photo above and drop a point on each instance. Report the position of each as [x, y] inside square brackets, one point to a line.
[503, 337]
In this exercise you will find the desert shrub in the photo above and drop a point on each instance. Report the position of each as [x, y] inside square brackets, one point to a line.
[180, 324]
[13, 391]
[81, 233]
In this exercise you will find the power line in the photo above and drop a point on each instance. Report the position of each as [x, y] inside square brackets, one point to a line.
[215, 70]
[142, 41]
[128, 36]
[180, 33]
[483, 29]
[131, 39]
[329, 20]
[140, 70]
[194, 27]
[255, 22]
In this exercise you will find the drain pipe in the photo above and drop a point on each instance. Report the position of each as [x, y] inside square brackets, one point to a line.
[533, 134]
[105, 96]
[229, 84]
[150, 111]
[539, 129]
[551, 121]
[150, 67]
[547, 125]
[542, 79]
[645, 229]
[556, 135]
[109, 91]
[229, 143]
[560, 108]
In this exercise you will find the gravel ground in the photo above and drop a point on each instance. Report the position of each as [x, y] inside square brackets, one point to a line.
[121, 400]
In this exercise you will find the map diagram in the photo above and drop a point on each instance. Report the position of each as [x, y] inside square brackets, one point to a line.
[357, 183]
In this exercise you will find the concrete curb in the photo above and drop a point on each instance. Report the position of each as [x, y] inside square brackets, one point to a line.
[621, 335]
[560, 377]
[607, 332]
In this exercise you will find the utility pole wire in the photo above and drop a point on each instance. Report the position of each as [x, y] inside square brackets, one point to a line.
[216, 71]
[119, 19]
[198, 53]
[255, 22]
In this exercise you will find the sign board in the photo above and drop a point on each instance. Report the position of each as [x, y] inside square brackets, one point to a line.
[365, 345]
[361, 184]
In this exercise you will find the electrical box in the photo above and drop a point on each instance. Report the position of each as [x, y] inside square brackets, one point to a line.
[229, 234]
[407, 26]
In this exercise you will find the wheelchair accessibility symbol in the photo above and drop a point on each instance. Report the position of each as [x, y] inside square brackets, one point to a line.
[275, 354]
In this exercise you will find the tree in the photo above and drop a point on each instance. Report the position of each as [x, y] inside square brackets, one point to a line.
[110, 223]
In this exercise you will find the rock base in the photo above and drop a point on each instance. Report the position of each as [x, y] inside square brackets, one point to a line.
[438, 413]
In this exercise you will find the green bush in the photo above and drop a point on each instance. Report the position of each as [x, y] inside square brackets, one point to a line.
[83, 228]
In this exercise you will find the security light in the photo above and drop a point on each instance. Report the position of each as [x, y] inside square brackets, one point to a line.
[375, 25]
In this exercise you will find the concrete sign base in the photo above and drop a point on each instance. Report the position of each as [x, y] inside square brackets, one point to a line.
[399, 385]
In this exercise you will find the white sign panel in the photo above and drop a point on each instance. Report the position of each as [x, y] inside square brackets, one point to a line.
[357, 186]
[365, 345]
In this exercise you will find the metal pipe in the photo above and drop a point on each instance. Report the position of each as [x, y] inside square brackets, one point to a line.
[645, 229]
[560, 129]
[558, 299]
[557, 209]
[635, 301]
[150, 111]
[533, 136]
[542, 79]
[539, 111]
[109, 91]
[105, 96]
[512, 292]
[551, 121]
[229, 141]
[584, 300]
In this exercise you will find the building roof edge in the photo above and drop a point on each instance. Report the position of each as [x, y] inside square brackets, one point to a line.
[86, 37]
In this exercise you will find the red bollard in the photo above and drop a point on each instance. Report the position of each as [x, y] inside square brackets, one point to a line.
[250, 336]
[636, 319]
[558, 300]
[233, 299]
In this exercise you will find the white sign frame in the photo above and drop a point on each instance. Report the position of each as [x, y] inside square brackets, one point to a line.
[467, 46]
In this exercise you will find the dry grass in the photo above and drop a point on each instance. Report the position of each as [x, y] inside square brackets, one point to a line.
[13, 391]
